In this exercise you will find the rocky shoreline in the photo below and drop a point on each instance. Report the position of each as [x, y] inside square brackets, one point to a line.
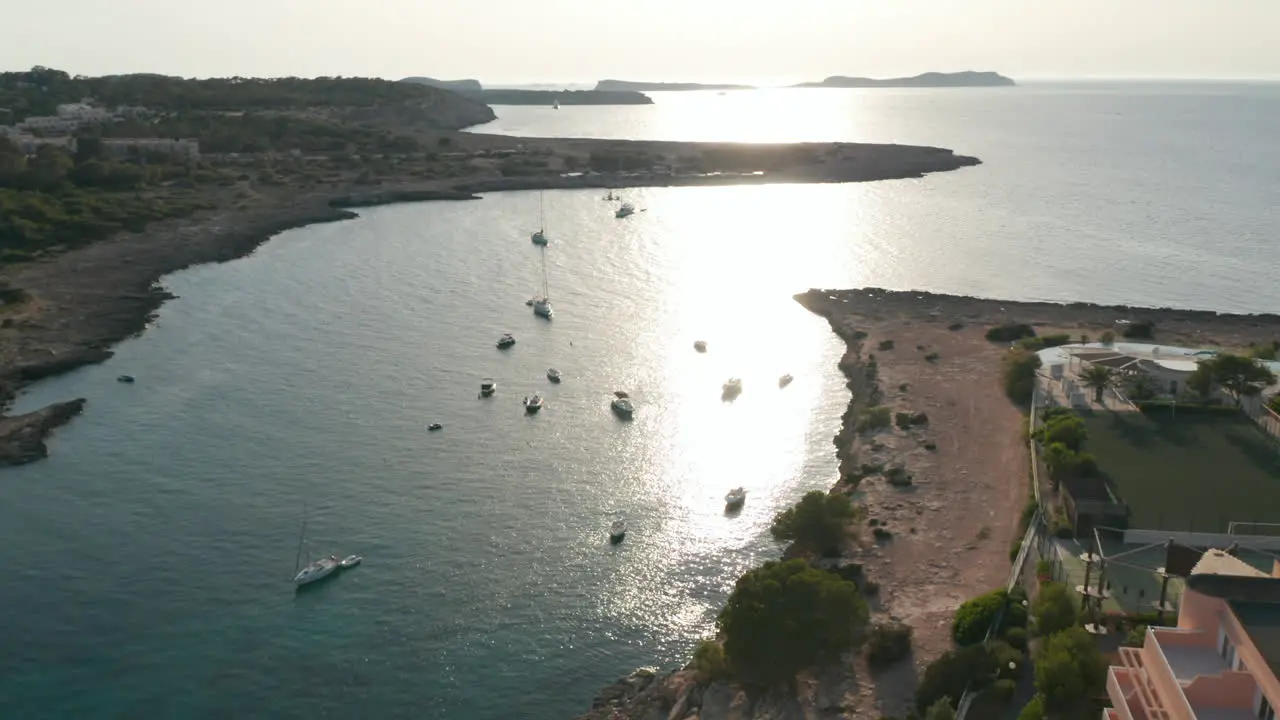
[86, 300]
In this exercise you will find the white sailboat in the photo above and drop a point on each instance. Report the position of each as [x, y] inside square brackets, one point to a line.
[539, 236]
[542, 304]
[313, 571]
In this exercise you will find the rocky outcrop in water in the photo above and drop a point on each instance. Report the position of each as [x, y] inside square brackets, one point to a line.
[22, 436]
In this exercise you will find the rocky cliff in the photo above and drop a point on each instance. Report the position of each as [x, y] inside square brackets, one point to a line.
[22, 436]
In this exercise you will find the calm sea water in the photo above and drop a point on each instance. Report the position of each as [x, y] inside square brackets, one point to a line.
[147, 562]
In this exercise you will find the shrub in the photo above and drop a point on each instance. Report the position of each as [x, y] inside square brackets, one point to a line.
[940, 710]
[709, 662]
[1017, 638]
[786, 616]
[1137, 636]
[1008, 659]
[1054, 610]
[1033, 710]
[1274, 403]
[1018, 373]
[932, 357]
[1107, 338]
[950, 674]
[897, 476]
[882, 533]
[888, 643]
[1002, 691]
[874, 418]
[1044, 341]
[1044, 570]
[817, 522]
[955, 326]
[1009, 332]
[1069, 671]
[1144, 330]
[974, 618]
[1015, 617]
[885, 345]
[1066, 429]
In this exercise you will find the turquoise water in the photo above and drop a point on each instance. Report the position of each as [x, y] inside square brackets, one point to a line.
[148, 561]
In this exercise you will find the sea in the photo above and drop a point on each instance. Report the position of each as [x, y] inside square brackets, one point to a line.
[282, 401]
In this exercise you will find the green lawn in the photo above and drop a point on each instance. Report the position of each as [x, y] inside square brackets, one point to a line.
[1193, 470]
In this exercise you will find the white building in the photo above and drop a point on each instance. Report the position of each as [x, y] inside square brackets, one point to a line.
[48, 124]
[83, 113]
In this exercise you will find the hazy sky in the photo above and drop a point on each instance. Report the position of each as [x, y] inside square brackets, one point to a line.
[525, 41]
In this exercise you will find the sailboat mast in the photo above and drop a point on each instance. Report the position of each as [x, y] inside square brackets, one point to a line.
[545, 293]
[542, 214]
[302, 534]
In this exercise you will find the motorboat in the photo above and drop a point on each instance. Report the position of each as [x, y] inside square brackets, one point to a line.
[620, 394]
[785, 380]
[609, 196]
[125, 379]
[318, 570]
[434, 427]
[555, 104]
[533, 403]
[539, 237]
[732, 388]
[488, 387]
[700, 345]
[617, 531]
[735, 498]
[623, 408]
[553, 375]
[542, 307]
[350, 561]
[506, 341]
[624, 210]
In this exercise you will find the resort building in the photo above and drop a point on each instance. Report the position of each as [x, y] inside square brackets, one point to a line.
[1219, 663]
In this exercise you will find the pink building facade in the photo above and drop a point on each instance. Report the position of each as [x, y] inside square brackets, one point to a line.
[1219, 663]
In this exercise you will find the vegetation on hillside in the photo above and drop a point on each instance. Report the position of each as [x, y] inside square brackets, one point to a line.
[1018, 374]
[786, 616]
[818, 523]
[1242, 376]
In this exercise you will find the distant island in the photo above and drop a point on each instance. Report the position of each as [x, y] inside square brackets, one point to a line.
[499, 96]
[615, 85]
[967, 78]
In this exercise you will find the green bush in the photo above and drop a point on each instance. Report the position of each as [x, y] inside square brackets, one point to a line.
[953, 672]
[1054, 609]
[874, 418]
[887, 643]
[1002, 691]
[1015, 617]
[1010, 332]
[1144, 330]
[940, 710]
[1033, 710]
[885, 345]
[817, 523]
[1066, 429]
[1044, 341]
[786, 616]
[1070, 670]
[709, 663]
[1018, 375]
[1137, 636]
[974, 618]
[1107, 338]
[1017, 638]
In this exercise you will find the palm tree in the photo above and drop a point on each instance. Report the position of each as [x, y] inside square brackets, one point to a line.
[1099, 378]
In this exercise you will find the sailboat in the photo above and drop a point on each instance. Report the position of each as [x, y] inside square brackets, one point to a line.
[539, 236]
[318, 570]
[542, 305]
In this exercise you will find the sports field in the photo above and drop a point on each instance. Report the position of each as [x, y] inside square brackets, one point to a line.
[1189, 470]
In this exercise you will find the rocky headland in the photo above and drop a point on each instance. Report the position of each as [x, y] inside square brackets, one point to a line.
[514, 96]
[80, 302]
[966, 78]
[950, 515]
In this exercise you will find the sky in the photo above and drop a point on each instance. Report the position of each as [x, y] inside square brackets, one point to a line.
[550, 41]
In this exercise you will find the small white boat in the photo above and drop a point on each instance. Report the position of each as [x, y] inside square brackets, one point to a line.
[785, 380]
[623, 408]
[735, 498]
[542, 307]
[624, 210]
[539, 236]
[555, 104]
[617, 531]
[434, 427]
[488, 387]
[318, 570]
[533, 403]
[732, 388]
[506, 341]
[125, 378]
[553, 375]
[350, 561]
[700, 345]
